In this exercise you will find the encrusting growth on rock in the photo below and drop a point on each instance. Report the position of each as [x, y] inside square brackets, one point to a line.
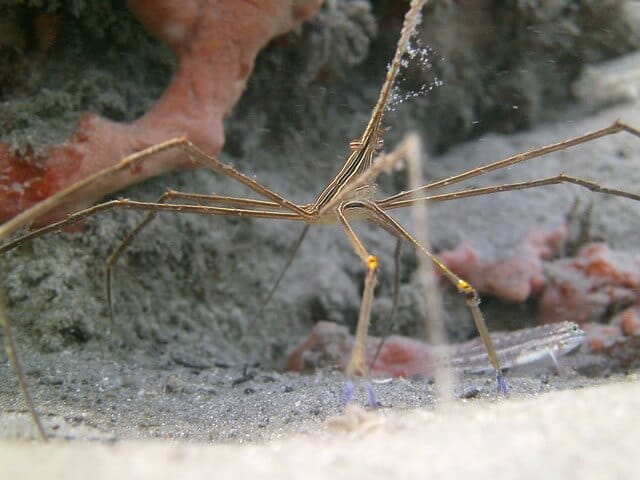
[216, 43]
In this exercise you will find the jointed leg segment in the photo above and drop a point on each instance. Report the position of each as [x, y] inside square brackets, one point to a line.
[276, 283]
[394, 302]
[509, 187]
[10, 347]
[358, 361]
[409, 197]
[65, 195]
[464, 288]
[251, 207]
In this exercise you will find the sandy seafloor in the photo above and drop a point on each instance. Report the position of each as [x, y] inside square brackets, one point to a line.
[583, 433]
[112, 402]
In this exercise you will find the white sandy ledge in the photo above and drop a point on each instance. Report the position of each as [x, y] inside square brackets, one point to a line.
[588, 433]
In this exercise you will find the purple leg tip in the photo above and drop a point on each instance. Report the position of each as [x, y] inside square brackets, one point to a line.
[503, 386]
[372, 398]
[347, 394]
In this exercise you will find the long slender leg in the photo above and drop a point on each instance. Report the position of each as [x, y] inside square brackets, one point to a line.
[150, 206]
[507, 187]
[292, 254]
[615, 128]
[396, 285]
[194, 153]
[17, 366]
[203, 199]
[394, 301]
[471, 296]
[170, 195]
[29, 215]
[357, 362]
[249, 182]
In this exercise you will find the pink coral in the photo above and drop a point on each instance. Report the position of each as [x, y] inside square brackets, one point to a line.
[588, 286]
[331, 344]
[585, 289]
[582, 288]
[515, 278]
[216, 42]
